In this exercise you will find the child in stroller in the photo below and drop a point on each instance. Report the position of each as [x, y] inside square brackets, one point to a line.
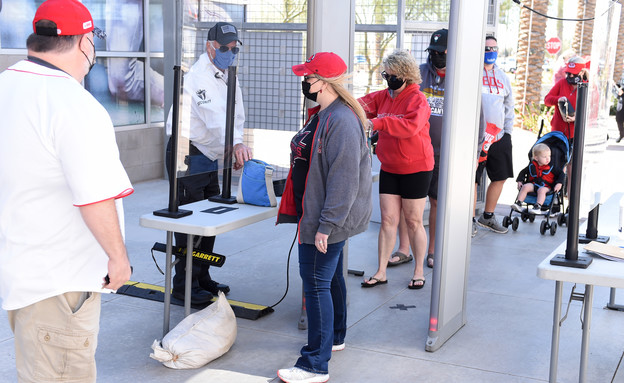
[539, 177]
[559, 147]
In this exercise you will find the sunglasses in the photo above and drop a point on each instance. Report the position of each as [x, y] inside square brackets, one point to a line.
[386, 76]
[225, 48]
[97, 32]
[436, 53]
[491, 49]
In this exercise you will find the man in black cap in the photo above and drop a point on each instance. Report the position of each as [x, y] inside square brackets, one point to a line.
[203, 124]
[433, 73]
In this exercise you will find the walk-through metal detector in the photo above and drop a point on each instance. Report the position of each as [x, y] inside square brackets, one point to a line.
[456, 187]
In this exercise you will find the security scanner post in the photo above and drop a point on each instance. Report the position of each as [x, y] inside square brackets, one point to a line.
[571, 257]
[172, 211]
[226, 193]
[591, 234]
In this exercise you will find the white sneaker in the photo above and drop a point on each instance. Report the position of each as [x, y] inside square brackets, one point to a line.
[297, 375]
[517, 207]
[536, 209]
[338, 347]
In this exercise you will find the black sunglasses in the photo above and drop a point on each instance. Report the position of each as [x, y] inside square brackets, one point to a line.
[97, 32]
[386, 76]
[491, 49]
[436, 53]
[225, 48]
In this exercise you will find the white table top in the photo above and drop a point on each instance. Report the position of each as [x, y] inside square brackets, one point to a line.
[210, 224]
[601, 272]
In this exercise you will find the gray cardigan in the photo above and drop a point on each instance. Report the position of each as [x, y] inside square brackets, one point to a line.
[337, 197]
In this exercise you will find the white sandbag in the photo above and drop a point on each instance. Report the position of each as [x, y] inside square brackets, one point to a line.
[200, 338]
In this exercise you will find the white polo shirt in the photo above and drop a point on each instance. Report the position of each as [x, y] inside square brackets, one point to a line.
[57, 152]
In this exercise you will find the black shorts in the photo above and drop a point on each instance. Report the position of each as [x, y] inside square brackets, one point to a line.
[433, 185]
[499, 162]
[408, 186]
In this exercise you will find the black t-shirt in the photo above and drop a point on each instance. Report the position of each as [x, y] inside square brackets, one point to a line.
[300, 152]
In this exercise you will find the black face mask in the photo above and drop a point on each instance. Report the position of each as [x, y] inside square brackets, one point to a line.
[573, 80]
[305, 89]
[394, 82]
[438, 60]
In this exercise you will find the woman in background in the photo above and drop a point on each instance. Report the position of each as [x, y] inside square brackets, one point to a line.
[400, 115]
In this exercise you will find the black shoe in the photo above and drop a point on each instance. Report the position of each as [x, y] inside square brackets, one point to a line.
[213, 286]
[199, 296]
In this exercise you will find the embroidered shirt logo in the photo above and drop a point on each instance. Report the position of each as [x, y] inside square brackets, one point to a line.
[201, 94]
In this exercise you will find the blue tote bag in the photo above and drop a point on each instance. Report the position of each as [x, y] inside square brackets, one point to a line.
[256, 184]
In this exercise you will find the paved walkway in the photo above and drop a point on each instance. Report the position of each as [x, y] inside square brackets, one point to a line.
[506, 338]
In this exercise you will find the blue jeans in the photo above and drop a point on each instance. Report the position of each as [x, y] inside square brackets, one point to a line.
[326, 304]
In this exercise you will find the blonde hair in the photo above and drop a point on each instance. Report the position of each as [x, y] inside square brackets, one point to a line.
[403, 65]
[337, 84]
[539, 149]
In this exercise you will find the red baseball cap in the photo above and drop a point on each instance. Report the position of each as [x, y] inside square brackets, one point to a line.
[574, 68]
[325, 64]
[70, 16]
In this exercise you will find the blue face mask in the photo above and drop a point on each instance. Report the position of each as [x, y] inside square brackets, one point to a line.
[223, 60]
[490, 57]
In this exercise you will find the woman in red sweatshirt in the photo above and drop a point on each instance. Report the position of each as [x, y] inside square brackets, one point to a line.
[564, 91]
[400, 115]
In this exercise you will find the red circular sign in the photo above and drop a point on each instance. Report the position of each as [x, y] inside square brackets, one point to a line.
[553, 45]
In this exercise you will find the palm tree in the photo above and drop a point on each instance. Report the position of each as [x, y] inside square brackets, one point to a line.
[619, 53]
[530, 59]
[582, 43]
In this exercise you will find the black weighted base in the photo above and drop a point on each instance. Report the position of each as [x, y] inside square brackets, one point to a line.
[580, 263]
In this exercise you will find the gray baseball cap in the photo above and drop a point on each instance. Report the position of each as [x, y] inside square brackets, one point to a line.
[223, 33]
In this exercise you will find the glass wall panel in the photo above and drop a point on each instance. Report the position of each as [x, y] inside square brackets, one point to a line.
[16, 22]
[125, 105]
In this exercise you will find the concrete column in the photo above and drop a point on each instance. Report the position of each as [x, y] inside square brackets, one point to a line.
[331, 28]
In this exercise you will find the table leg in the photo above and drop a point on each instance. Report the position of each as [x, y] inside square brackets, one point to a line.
[554, 347]
[587, 311]
[188, 282]
[167, 303]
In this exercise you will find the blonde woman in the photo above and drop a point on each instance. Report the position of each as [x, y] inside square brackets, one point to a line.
[328, 193]
[400, 115]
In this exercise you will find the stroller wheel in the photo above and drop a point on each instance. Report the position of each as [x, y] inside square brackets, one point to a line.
[564, 219]
[531, 218]
[553, 228]
[514, 223]
[543, 227]
[560, 219]
[524, 216]
[506, 221]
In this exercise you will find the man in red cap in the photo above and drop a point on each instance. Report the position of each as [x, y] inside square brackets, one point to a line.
[61, 218]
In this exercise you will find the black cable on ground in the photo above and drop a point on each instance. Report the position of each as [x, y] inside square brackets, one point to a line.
[287, 270]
